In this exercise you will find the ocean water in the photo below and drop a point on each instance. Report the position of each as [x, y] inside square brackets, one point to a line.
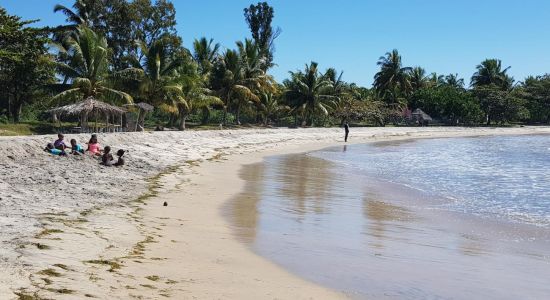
[461, 218]
[504, 177]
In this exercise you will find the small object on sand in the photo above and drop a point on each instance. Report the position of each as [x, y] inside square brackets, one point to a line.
[165, 203]
[11, 157]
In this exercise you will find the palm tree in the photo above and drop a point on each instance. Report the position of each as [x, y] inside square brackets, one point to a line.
[157, 77]
[196, 96]
[79, 15]
[237, 77]
[87, 67]
[205, 54]
[392, 76]
[82, 14]
[269, 107]
[490, 72]
[453, 81]
[436, 80]
[418, 78]
[308, 92]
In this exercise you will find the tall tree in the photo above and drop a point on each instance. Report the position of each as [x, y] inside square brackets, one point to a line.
[308, 93]
[122, 22]
[205, 53]
[259, 18]
[87, 68]
[393, 79]
[25, 66]
[495, 91]
[195, 94]
[418, 78]
[238, 77]
[537, 92]
[490, 72]
[454, 81]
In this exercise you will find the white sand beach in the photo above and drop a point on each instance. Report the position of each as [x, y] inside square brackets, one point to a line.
[70, 228]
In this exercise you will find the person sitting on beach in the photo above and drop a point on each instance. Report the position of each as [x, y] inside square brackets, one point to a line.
[52, 150]
[76, 149]
[93, 146]
[107, 158]
[59, 143]
[120, 161]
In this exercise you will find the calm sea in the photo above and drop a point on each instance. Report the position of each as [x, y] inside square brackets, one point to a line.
[505, 177]
[461, 218]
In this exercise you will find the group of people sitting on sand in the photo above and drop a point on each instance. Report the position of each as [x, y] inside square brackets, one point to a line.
[60, 148]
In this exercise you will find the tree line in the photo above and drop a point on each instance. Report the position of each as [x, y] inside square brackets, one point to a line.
[122, 52]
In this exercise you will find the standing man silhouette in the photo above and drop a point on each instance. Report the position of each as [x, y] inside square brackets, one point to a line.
[346, 128]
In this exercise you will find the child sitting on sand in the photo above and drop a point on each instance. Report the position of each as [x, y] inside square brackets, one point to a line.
[76, 149]
[93, 146]
[59, 143]
[120, 161]
[51, 149]
[107, 158]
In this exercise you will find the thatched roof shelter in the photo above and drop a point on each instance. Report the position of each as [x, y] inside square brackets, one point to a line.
[145, 106]
[88, 106]
[143, 109]
[420, 115]
[91, 107]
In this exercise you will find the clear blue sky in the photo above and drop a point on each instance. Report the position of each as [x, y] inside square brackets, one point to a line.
[441, 36]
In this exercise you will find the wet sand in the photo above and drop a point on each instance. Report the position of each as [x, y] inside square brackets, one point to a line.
[374, 239]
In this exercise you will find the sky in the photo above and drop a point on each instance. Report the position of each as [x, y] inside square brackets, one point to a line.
[442, 36]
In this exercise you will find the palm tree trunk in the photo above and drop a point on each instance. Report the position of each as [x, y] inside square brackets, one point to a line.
[182, 121]
[205, 115]
[238, 114]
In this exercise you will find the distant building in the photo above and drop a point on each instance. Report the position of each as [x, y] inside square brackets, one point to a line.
[420, 117]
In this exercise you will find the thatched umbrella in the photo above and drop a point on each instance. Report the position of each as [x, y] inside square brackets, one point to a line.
[143, 109]
[421, 116]
[89, 106]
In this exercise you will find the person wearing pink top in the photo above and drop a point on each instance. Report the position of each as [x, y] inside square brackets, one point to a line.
[93, 146]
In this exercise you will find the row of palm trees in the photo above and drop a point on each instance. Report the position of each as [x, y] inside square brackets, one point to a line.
[394, 80]
[179, 82]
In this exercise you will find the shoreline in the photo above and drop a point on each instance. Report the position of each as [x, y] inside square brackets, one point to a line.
[403, 230]
[126, 251]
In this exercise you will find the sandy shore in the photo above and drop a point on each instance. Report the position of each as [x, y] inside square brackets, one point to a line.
[70, 228]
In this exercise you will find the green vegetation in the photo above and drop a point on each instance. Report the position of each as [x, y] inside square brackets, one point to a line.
[112, 264]
[123, 51]
[153, 277]
[49, 272]
[47, 231]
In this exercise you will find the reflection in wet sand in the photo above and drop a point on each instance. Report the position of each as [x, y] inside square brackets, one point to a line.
[245, 210]
[304, 184]
[373, 239]
[380, 216]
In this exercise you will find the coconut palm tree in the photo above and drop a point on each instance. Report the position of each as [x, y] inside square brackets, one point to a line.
[196, 96]
[308, 92]
[418, 78]
[435, 80]
[87, 68]
[490, 72]
[454, 81]
[157, 77]
[238, 76]
[78, 15]
[270, 106]
[392, 76]
[81, 14]
[205, 52]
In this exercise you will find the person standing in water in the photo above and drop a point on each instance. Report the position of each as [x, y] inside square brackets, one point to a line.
[346, 129]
